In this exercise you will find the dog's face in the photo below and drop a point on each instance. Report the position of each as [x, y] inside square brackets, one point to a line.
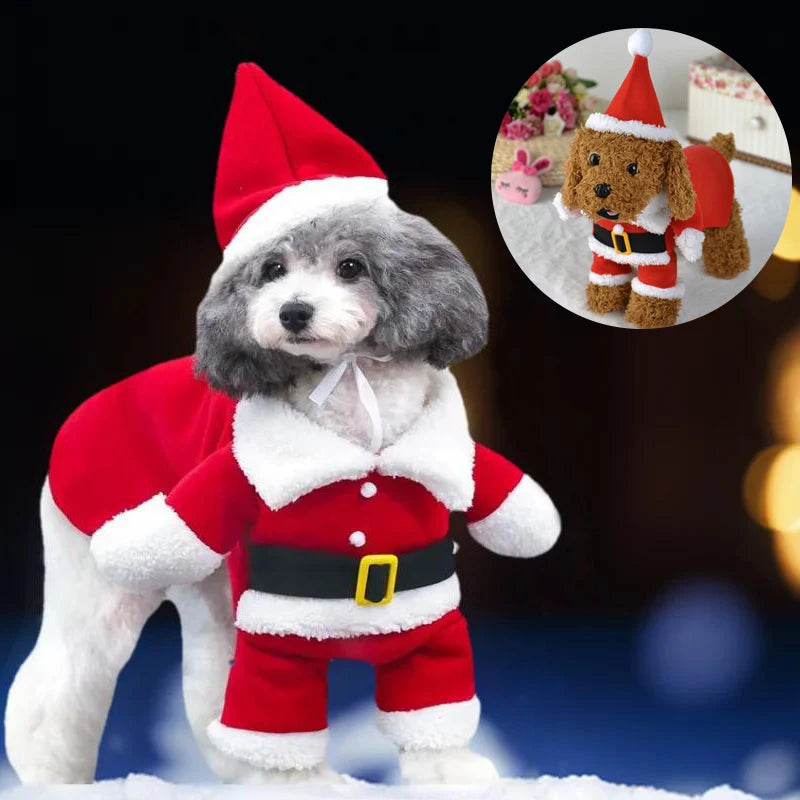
[370, 279]
[614, 176]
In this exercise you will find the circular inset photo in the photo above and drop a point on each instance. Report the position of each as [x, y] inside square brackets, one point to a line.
[641, 178]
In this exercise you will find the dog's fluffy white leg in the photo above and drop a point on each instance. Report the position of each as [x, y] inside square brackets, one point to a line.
[207, 634]
[451, 765]
[58, 702]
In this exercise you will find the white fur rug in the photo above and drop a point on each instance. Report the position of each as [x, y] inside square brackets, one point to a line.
[144, 787]
[554, 254]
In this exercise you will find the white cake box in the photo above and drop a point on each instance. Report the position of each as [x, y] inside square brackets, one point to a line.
[724, 98]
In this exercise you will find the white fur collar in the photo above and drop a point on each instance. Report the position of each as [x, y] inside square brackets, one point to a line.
[655, 216]
[285, 455]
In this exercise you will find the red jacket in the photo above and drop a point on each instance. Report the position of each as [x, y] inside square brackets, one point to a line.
[204, 476]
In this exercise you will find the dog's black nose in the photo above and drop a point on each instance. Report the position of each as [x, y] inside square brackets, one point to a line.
[602, 190]
[294, 316]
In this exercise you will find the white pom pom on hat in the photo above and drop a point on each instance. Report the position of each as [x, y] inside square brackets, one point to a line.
[640, 43]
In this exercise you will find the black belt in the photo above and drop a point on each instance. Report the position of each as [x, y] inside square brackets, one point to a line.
[626, 243]
[369, 580]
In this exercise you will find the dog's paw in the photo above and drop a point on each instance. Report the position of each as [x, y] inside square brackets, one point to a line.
[453, 765]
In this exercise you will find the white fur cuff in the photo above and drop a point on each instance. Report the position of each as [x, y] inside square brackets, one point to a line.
[280, 751]
[610, 280]
[644, 289]
[690, 243]
[434, 727]
[527, 523]
[564, 212]
[150, 547]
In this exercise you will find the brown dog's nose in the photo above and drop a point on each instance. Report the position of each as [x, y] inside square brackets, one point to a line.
[602, 190]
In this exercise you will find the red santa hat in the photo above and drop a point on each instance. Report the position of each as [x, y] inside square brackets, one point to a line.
[635, 110]
[282, 163]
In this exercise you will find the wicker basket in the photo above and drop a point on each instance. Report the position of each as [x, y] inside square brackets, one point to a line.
[557, 147]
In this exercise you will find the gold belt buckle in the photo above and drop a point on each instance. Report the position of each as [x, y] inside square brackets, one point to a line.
[363, 575]
[624, 236]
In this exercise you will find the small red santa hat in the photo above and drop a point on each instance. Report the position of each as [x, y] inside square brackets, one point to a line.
[282, 163]
[635, 110]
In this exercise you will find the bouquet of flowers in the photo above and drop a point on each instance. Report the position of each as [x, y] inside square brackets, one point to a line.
[549, 102]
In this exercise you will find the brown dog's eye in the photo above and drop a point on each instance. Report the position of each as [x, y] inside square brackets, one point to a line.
[350, 269]
[594, 159]
[632, 168]
[272, 270]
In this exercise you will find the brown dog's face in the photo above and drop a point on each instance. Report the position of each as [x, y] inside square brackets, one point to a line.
[614, 176]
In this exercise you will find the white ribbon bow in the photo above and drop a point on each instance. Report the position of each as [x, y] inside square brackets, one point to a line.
[366, 395]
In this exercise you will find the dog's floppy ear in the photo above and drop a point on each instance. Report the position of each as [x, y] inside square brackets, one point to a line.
[573, 172]
[432, 303]
[678, 181]
[226, 358]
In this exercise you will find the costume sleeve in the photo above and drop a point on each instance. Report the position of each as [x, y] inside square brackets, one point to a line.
[511, 514]
[183, 537]
[689, 235]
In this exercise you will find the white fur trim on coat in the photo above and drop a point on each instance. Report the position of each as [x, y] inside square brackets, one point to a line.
[690, 243]
[672, 293]
[151, 547]
[655, 216]
[629, 127]
[293, 206]
[634, 259]
[343, 618]
[610, 280]
[564, 212]
[526, 524]
[279, 751]
[285, 455]
[434, 727]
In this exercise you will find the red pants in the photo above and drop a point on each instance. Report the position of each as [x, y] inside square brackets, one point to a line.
[662, 276]
[278, 684]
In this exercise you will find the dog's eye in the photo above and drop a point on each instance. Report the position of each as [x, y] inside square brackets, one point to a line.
[594, 159]
[350, 269]
[272, 270]
[632, 168]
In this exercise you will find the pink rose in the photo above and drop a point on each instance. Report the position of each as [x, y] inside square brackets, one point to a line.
[568, 115]
[534, 80]
[504, 123]
[518, 129]
[536, 124]
[546, 70]
[556, 65]
[540, 101]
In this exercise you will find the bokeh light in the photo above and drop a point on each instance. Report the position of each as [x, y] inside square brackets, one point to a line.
[784, 389]
[787, 550]
[700, 643]
[788, 246]
[772, 488]
[772, 769]
[777, 279]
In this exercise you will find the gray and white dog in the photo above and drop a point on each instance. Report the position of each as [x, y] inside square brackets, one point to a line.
[375, 281]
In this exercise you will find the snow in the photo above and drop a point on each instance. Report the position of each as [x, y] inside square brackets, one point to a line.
[554, 254]
[145, 787]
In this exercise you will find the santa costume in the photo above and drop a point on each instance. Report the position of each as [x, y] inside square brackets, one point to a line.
[334, 550]
[649, 243]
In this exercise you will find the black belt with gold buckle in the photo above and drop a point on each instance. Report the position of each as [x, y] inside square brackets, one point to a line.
[626, 243]
[370, 580]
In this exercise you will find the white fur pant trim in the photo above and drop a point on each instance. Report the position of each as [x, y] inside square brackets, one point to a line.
[634, 259]
[526, 524]
[610, 280]
[672, 293]
[432, 728]
[279, 751]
